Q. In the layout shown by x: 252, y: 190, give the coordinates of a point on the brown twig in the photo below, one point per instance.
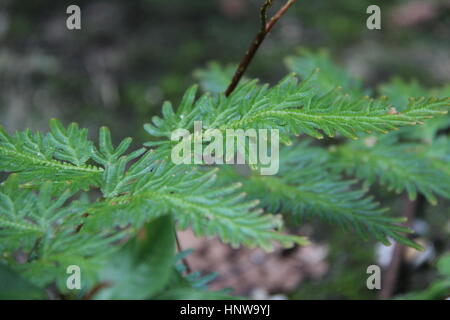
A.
x: 36, y: 245
x: 279, y: 14
x: 96, y: 289
x: 266, y: 27
x: 393, y: 270
x: 78, y: 228
x: 180, y: 249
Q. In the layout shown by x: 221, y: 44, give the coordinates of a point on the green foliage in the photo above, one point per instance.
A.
x: 438, y: 289
x: 60, y: 156
x: 294, y: 108
x: 214, y: 78
x: 400, y: 93
x: 143, y: 265
x: 46, y: 225
x: 71, y: 144
x: 113, y: 212
x: 194, y: 294
x: 399, y: 166
x: 411, y: 159
x: 15, y: 287
x: 27, y: 216
x: 330, y: 74
x: 306, y: 187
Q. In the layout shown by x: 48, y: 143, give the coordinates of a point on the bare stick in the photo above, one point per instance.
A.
x: 180, y: 249
x: 96, y: 289
x: 279, y: 14
x: 392, y: 272
x: 256, y: 43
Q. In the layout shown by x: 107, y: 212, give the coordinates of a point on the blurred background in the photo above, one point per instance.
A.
x: 130, y: 56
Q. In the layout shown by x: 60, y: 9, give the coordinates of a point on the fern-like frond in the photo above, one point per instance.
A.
x: 46, y: 227
x: 71, y: 144
x: 215, y: 78
x: 293, y: 108
x: 143, y: 266
x: 56, y: 156
x: 25, y: 216
x: 195, y: 200
x: 400, y: 92
x: 330, y: 76
x: 398, y: 166
x: 89, y: 251
x: 114, y: 161
x: 306, y: 187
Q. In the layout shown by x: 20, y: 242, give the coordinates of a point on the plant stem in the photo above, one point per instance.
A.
x: 266, y: 27
x: 96, y: 289
x: 180, y: 249
x: 279, y: 14
x: 390, y: 281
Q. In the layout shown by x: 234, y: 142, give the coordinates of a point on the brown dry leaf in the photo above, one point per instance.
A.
x: 414, y: 12
x: 246, y: 270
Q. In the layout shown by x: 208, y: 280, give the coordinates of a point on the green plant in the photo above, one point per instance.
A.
x: 67, y: 201
x: 439, y: 288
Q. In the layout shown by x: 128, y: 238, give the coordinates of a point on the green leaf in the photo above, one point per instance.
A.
x: 115, y: 176
x: 195, y: 200
x: 194, y: 294
x: 47, y: 228
x: 439, y: 288
x: 443, y: 265
x: 294, y: 107
x: 398, y: 166
x: 330, y: 76
x: 143, y: 266
x: 306, y: 187
x: 215, y: 78
x: 13, y: 286
x: 400, y: 92
x: 37, y: 158
x: 71, y: 144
